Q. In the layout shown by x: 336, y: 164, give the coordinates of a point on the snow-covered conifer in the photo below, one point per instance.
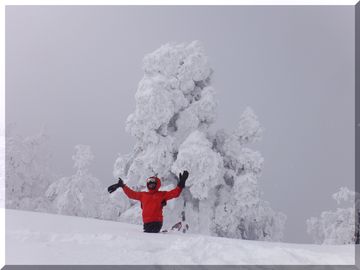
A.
x: 82, y: 194
x: 28, y: 172
x: 338, y: 226
x: 175, y: 108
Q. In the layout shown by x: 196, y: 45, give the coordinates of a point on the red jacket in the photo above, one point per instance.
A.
x: 151, y: 200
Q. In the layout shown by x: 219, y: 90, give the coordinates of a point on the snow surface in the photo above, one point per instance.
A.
x: 38, y: 238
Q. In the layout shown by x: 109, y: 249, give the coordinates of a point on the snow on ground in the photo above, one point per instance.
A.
x: 38, y: 238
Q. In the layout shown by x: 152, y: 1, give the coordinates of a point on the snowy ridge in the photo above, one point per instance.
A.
x: 38, y: 238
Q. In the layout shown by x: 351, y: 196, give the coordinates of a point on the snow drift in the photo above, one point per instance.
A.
x: 38, y: 238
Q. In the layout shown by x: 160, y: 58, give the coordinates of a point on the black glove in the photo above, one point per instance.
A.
x: 182, y: 179
x: 114, y: 187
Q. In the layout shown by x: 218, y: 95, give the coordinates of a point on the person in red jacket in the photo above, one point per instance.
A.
x: 153, y: 200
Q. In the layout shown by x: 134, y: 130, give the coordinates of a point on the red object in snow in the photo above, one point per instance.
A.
x: 151, y: 201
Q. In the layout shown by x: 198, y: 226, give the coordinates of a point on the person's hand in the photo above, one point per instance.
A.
x: 121, y: 182
x: 114, y: 187
x: 184, y: 175
x: 182, y: 178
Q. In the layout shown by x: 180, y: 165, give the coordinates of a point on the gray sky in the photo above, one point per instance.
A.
x: 76, y: 68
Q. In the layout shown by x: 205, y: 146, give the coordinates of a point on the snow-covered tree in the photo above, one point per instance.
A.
x: 249, y: 129
x: 82, y: 194
x: 206, y: 166
x: 175, y: 108
x: 82, y: 159
x: 240, y: 211
x: 28, y: 172
x: 335, y: 227
x: 344, y: 195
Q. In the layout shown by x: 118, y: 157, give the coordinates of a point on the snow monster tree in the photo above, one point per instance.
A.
x: 82, y: 194
x: 175, y: 108
x: 337, y: 227
x: 28, y: 171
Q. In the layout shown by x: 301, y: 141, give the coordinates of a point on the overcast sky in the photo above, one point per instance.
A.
x: 77, y: 69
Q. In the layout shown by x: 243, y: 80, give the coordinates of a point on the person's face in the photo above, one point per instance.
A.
x: 151, y: 184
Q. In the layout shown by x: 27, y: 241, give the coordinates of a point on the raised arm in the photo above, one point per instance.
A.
x: 128, y: 191
x: 135, y: 195
x: 174, y: 193
x: 171, y: 194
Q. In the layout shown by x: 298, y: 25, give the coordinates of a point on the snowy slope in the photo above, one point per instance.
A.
x: 38, y: 238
